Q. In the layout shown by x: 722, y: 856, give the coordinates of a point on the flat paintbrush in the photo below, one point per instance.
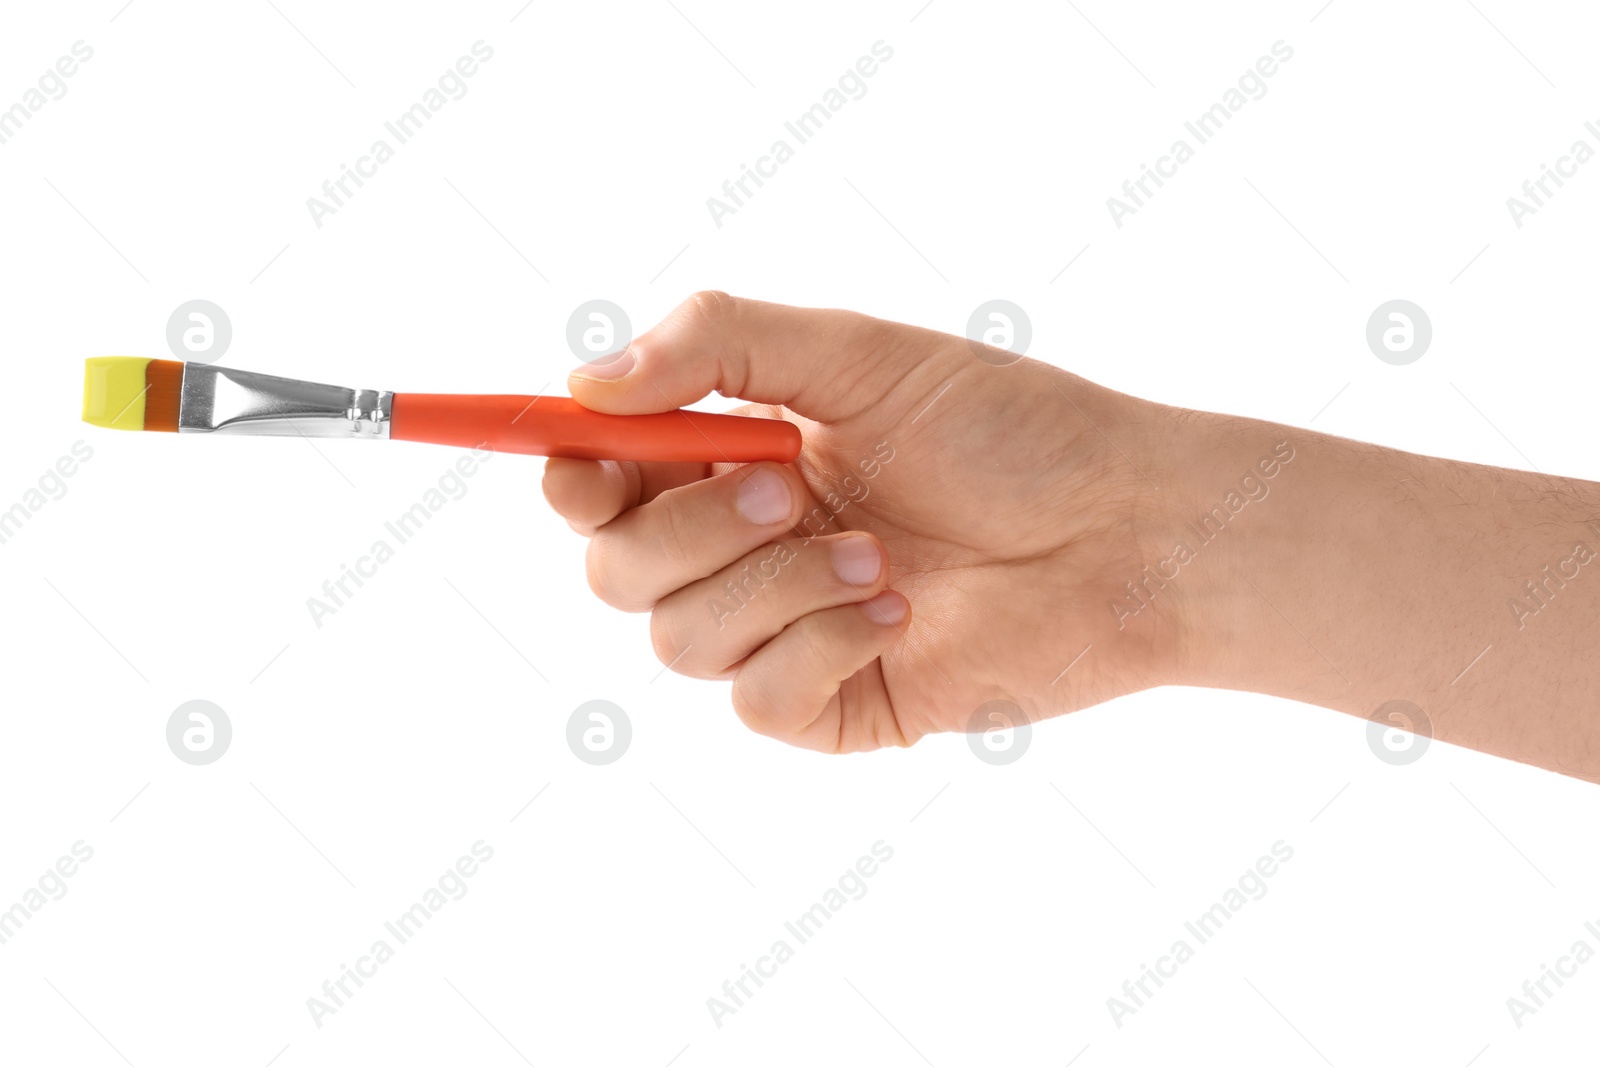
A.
x: 127, y: 393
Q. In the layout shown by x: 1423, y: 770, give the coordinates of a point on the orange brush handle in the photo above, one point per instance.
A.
x: 560, y: 426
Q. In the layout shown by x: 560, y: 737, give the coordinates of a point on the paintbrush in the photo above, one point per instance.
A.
x: 128, y: 393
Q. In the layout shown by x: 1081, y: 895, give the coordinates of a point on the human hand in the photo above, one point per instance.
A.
x: 951, y: 534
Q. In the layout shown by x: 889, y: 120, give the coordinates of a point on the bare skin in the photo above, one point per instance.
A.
x: 958, y: 532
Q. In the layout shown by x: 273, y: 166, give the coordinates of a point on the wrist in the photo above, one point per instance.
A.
x: 1359, y: 574
x: 1243, y: 510
x: 1281, y: 561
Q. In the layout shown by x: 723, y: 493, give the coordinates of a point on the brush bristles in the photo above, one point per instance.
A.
x: 163, y: 380
x: 131, y: 393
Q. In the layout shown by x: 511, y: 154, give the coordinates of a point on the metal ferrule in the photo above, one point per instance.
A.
x: 223, y: 400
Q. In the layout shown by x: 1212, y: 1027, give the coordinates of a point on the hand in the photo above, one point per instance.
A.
x: 953, y: 532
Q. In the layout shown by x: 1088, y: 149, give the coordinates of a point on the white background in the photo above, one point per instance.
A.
x: 370, y: 753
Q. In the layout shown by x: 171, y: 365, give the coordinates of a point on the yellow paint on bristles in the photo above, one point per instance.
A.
x: 114, y: 392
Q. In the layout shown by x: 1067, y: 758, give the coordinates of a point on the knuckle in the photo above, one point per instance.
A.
x: 811, y: 651
x: 712, y: 306
x: 600, y: 568
x: 676, y: 535
x: 682, y: 640
x: 756, y: 706
x: 594, y: 570
x: 708, y: 321
x: 667, y: 638
x: 554, y: 484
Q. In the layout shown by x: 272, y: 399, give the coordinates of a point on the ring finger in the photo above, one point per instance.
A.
x: 711, y: 625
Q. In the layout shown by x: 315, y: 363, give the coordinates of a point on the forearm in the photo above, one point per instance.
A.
x: 1356, y: 575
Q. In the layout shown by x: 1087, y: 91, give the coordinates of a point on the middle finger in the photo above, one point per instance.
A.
x: 692, y: 531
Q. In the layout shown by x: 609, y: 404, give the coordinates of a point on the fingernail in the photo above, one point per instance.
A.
x: 888, y: 608
x: 607, y: 370
x: 856, y: 560
x: 763, y: 497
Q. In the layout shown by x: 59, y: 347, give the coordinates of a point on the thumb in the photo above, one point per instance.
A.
x: 826, y: 365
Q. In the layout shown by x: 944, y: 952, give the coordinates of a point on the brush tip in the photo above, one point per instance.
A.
x: 131, y: 393
x: 114, y: 392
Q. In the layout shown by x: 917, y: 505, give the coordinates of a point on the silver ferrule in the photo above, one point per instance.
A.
x: 223, y: 400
